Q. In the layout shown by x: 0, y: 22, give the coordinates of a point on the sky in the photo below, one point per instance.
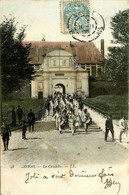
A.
x: 42, y: 17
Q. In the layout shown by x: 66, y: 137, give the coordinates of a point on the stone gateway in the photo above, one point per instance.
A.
x: 61, y: 66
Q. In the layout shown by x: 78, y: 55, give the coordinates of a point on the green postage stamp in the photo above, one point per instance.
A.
x: 74, y: 17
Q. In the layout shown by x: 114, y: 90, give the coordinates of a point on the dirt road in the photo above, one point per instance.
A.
x: 46, y: 145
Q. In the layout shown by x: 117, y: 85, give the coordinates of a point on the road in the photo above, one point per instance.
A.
x: 46, y: 145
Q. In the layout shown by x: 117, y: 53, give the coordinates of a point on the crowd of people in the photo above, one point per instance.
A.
x: 68, y: 111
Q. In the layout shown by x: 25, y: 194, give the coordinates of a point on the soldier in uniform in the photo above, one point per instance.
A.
x: 109, y: 127
x: 13, y: 116
x: 58, y: 121
x: 88, y: 120
x: 31, y: 120
x: 24, y: 129
x: 61, y: 122
x: 56, y: 117
x: 6, y: 133
x: 71, y: 119
x: 77, y: 121
x: 19, y: 114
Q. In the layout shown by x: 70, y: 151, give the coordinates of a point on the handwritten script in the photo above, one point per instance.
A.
x: 107, y: 179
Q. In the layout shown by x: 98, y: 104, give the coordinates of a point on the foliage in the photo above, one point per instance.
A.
x: 117, y: 60
x: 25, y: 103
x: 14, y: 57
x: 120, y: 29
x: 116, y: 105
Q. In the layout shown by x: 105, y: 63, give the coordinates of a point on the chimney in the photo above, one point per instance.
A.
x: 71, y: 45
x: 102, y: 47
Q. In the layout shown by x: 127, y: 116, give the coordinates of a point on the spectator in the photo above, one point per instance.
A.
x: 13, y: 116
x: 123, y: 128
x: 24, y: 128
x: 31, y: 120
x: 109, y: 127
x: 6, y: 133
x: 19, y: 114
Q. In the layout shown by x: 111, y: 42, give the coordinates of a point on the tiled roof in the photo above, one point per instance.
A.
x: 85, y: 52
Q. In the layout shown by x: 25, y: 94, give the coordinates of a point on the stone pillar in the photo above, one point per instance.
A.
x: 79, y: 82
x: 96, y: 70
x: 46, y: 90
x: 34, y: 90
x: 90, y: 70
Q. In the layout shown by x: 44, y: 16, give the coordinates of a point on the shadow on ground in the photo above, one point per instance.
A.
x: 18, y: 149
x: 34, y: 138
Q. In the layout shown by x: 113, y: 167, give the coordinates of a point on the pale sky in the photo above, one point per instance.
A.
x: 43, y: 17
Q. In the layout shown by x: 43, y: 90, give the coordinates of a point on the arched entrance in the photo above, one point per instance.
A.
x: 59, y: 88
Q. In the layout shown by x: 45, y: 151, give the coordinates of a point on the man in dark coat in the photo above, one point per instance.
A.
x: 13, y: 116
x: 109, y: 127
x: 19, y: 114
x: 31, y: 120
x: 24, y: 128
x: 6, y: 133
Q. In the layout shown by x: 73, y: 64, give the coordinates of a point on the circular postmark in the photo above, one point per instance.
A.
x: 96, y: 27
x: 79, y: 22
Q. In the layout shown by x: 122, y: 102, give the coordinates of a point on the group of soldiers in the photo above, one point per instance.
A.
x: 16, y: 114
x: 68, y: 111
x: 22, y: 118
x: 24, y: 121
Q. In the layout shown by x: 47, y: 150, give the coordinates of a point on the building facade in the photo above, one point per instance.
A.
x: 64, y: 67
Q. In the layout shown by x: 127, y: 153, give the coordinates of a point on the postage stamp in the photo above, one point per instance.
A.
x: 75, y: 17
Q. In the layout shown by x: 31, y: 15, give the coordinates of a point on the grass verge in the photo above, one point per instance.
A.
x: 109, y: 104
x: 25, y: 103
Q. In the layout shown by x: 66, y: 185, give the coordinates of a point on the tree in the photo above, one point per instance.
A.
x: 14, y: 57
x: 117, y: 60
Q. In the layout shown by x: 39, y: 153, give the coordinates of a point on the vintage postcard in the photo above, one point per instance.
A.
x: 64, y: 97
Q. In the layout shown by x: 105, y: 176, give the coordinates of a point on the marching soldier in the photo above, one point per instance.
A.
x: 88, y: 120
x: 77, y: 121
x: 71, y: 121
x: 58, y: 122
x: 56, y: 117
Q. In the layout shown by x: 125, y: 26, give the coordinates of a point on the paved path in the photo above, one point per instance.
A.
x: 100, y: 119
x: 46, y: 145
